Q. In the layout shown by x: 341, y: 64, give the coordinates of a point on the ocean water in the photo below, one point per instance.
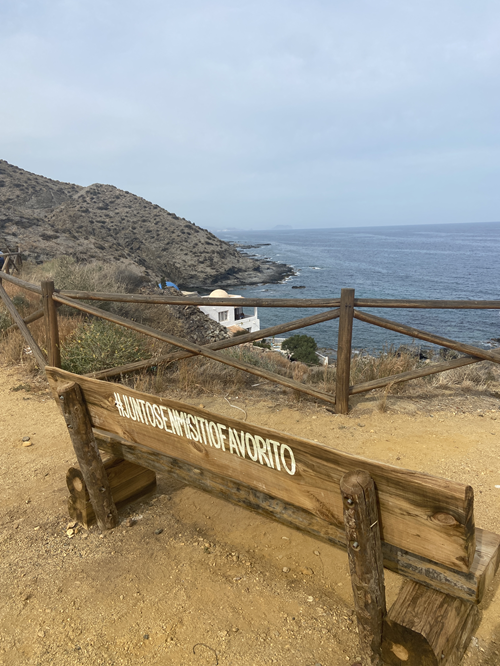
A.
x: 452, y: 261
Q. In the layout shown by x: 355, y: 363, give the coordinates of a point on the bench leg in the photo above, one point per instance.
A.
x: 128, y: 482
x: 365, y: 561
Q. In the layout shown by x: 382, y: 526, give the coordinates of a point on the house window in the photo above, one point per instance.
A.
x: 223, y: 315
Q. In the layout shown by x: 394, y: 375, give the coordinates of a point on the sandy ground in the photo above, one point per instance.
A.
x: 196, y: 581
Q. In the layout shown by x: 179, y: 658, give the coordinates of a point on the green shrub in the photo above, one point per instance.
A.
x: 5, y: 321
x: 303, y: 348
x: 264, y: 344
x: 98, y: 345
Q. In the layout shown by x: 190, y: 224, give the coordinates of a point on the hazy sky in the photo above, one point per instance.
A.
x: 251, y: 114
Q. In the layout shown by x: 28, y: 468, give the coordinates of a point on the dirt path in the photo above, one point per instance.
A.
x: 196, y: 581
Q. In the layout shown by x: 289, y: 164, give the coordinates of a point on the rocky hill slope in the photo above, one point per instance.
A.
x: 47, y: 218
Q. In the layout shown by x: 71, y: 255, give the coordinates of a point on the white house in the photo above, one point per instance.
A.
x: 231, y: 316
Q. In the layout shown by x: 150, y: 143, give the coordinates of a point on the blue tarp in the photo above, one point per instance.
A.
x: 165, y: 284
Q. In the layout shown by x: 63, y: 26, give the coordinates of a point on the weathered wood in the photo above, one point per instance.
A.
x: 221, y: 344
x: 427, y: 628
x: 422, y: 514
x: 22, y: 283
x: 203, y: 300
x: 51, y: 324
x: 428, y: 337
x: 364, y: 552
x: 413, y: 374
x: 427, y: 305
x: 6, y: 265
x: 34, y: 316
x: 128, y: 482
x: 466, y: 585
x: 18, y: 320
x: 18, y: 261
x: 197, y: 349
x: 283, y: 302
x: 344, y: 351
x: 80, y: 430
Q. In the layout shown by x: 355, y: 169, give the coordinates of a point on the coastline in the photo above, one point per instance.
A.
x: 266, y: 272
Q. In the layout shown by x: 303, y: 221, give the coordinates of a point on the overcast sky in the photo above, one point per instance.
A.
x: 250, y: 114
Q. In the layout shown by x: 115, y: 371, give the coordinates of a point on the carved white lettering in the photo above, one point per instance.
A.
x: 291, y: 469
x: 151, y: 415
x: 222, y: 436
x: 266, y: 452
x: 255, y: 454
x: 118, y: 404
x: 213, y: 432
x: 159, y: 417
x: 262, y: 450
x: 191, y: 420
x: 234, y: 443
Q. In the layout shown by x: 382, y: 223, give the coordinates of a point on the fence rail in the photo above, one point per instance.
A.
x: 346, y: 309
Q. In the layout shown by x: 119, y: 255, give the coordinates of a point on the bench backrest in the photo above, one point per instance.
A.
x: 422, y: 514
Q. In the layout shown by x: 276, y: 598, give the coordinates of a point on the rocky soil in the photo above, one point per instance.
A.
x: 187, y: 579
x: 48, y: 218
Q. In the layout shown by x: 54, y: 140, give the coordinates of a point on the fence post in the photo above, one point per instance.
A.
x: 6, y: 266
x: 365, y: 561
x: 18, y: 263
x: 51, y: 325
x: 344, y: 350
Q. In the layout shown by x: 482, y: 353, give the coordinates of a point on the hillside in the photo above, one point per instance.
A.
x: 48, y: 218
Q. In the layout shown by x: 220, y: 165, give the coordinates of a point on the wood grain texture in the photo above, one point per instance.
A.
x: 128, y: 482
x: 428, y: 337
x: 75, y: 414
x: 22, y: 283
x: 284, y: 302
x: 427, y: 628
x: 425, y: 515
x: 364, y: 552
x: 204, y: 300
x: 344, y: 351
x: 426, y: 304
x: 466, y: 585
x: 221, y: 344
x: 18, y: 320
x: 51, y: 324
x: 197, y: 349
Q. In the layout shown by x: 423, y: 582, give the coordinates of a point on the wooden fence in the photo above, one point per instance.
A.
x: 346, y: 309
x: 13, y: 261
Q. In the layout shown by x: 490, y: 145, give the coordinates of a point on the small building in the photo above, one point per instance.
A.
x: 231, y: 316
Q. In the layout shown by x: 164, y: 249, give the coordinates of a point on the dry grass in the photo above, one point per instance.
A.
x: 195, y: 376
x: 14, y: 348
x: 67, y: 273
x: 200, y: 376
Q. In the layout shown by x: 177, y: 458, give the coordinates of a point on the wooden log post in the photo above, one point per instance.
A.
x: 88, y: 456
x: 364, y: 550
x: 6, y: 265
x: 51, y: 324
x: 18, y: 262
x: 344, y: 350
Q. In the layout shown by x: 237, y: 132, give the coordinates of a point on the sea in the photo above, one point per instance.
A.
x: 431, y: 261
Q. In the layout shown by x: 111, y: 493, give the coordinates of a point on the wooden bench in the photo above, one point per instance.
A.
x: 417, y: 525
